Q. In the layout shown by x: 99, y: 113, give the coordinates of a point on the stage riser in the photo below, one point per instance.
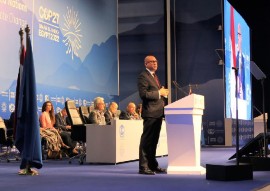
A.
x: 229, y: 172
x: 260, y: 163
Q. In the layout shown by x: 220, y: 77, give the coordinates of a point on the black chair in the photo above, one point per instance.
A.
x: 84, y: 113
x: 78, y: 130
x: 8, y: 151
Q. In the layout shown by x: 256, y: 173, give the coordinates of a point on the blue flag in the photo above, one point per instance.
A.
x: 27, y: 138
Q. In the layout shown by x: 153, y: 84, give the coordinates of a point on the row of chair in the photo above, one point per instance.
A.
x: 78, y: 133
x: 84, y: 113
x: 78, y: 128
x: 8, y: 151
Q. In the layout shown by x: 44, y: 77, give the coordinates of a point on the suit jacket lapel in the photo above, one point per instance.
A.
x: 63, y: 121
x: 152, y: 79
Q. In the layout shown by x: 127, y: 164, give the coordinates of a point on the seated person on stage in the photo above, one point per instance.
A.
x: 139, y: 110
x: 111, y: 113
x: 97, y: 115
x: 65, y: 130
x: 10, y: 125
x: 130, y: 113
x: 48, y: 132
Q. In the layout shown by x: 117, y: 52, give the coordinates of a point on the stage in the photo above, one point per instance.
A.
x: 59, y: 175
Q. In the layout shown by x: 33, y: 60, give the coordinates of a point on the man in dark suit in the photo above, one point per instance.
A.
x: 65, y: 131
x: 240, y: 64
x: 111, y: 113
x: 130, y: 113
x: 152, y: 95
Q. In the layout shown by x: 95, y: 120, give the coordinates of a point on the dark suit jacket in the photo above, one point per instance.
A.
x: 60, y: 123
x: 108, y: 117
x: 241, y: 73
x: 124, y: 115
x: 97, y: 117
x: 152, y: 106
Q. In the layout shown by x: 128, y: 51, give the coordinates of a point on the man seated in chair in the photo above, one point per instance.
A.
x: 130, y: 113
x: 10, y: 125
x: 65, y: 130
x: 111, y: 113
x: 97, y: 115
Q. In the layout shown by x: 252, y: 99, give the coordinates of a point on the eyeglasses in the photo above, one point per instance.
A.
x: 152, y: 61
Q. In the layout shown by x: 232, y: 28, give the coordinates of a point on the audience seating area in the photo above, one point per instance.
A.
x: 78, y: 129
x: 78, y: 118
x: 84, y: 113
x: 8, y: 151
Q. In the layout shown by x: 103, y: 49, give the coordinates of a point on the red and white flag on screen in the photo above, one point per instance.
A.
x: 233, y: 56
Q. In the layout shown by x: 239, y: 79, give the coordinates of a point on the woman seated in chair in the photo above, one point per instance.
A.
x: 47, y: 131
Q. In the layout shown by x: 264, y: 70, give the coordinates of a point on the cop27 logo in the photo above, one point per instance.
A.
x: 122, y: 130
x: 71, y: 32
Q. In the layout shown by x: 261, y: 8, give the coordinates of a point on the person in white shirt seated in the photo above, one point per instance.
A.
x: 97, y: 115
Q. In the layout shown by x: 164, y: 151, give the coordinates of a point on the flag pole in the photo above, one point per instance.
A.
x: 27, y: 135
x: 21, y: 33
x: 27, y: 30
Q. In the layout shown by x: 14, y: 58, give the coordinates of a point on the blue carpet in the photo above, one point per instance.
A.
x: 59, y: 175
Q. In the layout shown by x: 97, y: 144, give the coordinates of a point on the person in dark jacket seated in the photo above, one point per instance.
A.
x: 65, y: 130
x: 111, y: 113
x: 130, y: 113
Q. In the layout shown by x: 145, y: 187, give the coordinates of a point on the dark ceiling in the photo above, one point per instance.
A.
x: 255, y: 12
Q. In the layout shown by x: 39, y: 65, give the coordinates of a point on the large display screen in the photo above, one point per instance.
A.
x: 74, y: 48
x: 237, y: 64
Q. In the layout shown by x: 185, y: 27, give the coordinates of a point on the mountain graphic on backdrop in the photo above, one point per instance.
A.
x: 97, y: 73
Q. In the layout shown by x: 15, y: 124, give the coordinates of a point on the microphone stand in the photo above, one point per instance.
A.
x: 192, y: 86
x: 179, y: 88
x: 259, y: 75
x: 264, y: 122
x: 236, y: 172
x: 236, y: 108
x: 257, y: 110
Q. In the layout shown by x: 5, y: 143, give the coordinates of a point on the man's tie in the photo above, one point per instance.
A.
x: 156, y: 79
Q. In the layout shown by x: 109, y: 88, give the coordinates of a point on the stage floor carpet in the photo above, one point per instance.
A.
x: 60, y: 175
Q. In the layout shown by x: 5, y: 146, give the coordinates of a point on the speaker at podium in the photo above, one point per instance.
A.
x: 183, y: 124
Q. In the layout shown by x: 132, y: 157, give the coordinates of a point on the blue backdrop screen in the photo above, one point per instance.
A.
x: 74, y: 47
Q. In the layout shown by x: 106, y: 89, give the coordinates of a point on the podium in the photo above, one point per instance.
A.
x: 183, y: 125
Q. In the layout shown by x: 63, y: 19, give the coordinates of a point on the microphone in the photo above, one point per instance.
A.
x: 235, y: 71
x: 179, y: 88
x: 192, y: 86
